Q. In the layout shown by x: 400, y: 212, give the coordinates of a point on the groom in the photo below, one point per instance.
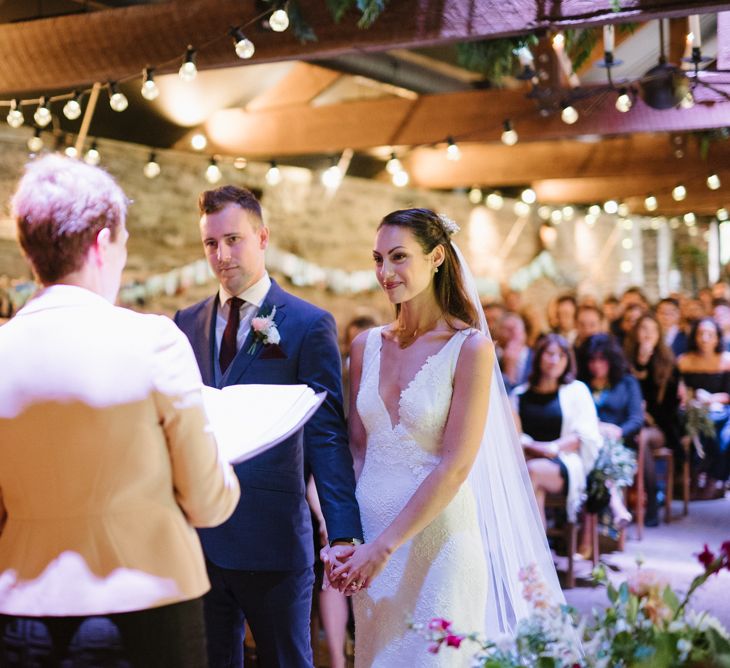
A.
x: 260, y: 560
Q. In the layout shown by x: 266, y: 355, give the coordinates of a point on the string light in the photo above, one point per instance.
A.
x: 152, y: 168
x: 521, y: 208
x: 117, y: 101
x: 332, y: 176
x: 452, y: 150
x: 240, y: 162
x: 688, y: 101
x: 273, y: 175
x: 72, y: 108
x: 92, y: 157
x: 627, y: 224
x: 401, y: 178
x: 509, y: 134
x: 623, y: 209
x: 626, y: 266
x: 623, y: 101
x: 713, y: 182
x: 679, y: 192
x: 279, y: 20
x: 627, y: 243
x: 528, y: 196
x: 15, y: 115
x: 558, y: 40
x: 213, y: 173
x: 690, y: 219
x: 544, y: 212
x: 568, y: 212
x: 198, y: 141
x: 556, y: 216
x: 722, y: 214
x: 42, y: 115
x: 610, y: 206
x: 393, y: 166
x: 495, y: 201
x: 569, y: 114
x: 244, y: 47
x: 188, y: 71
x: 594, y: 210
x: 35, y: 143
x: 475, y: 195
x: 651, y: 203
x: 71, y: 151
x: 149, y: 90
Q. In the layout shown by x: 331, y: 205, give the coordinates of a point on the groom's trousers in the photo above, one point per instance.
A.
x: 277, y: 606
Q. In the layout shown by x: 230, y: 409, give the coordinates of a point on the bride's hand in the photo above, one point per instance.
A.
x: 362, y: 568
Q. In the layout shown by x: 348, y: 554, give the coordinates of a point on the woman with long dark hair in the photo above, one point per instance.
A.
x: 559, y: 424
x: 435, y: 450
x: 705, y: 369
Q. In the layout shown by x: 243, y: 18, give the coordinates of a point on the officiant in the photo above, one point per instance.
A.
x: 106, y: 463
x: 252, y: 331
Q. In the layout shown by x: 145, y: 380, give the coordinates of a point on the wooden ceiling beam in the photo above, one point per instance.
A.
x: 496, y: 165
x: 73, y: 51
x: 299, y: 87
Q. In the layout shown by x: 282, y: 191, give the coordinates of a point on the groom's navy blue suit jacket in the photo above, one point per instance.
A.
x: 271, y: 528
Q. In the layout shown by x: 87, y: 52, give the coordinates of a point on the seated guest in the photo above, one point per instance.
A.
x: 565, y: 310
x: 705, y: 298
x: 589, y: 321
x: 653, y: 365
x: 667, y: 313
x: 611, y: 309
x: 705, y: 369
x: 493, y: 312
x: 558, y: 423
x: 626, y: 322
x: 617, y: 396
x: 513, y: 353
x: 721, y: 314
x: 106, y: 462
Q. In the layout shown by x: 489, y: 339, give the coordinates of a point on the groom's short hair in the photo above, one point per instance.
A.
x: 212, y: 201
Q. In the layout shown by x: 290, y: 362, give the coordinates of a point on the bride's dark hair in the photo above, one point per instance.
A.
x: 430, y: 230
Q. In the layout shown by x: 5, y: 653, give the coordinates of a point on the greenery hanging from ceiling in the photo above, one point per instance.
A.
x: 369, y: 10
x: 494, y: 58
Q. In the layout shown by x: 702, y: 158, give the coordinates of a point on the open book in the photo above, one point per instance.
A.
x: 249, y: 419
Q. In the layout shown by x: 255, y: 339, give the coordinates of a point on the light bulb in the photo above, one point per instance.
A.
x: 213, y: 173
x: 452, y: 150
x: 627, y: 224
x: 475, y: 195
x: 627, y: 243
x: 15, y: 115
x: 279, y: 20
x: 722, y: 214
x: 689, y: 219
x: 188, y: 71
x: 544, y: 212
x: 623, y: 101
x: 569, y: 114
x: 558, y: 40
x: 623, y: 209
x: 198, y: 141
x: 244, y: 46
x: 240, y: 162
x: 35, y: 143
x: 590, y: 219
x: 495, y: 201
x: 688, y: 101
x: 152, y: 168
x: 72, y: 108
x: 651, y: 203
x: 42, y: 115
x: 273, y: 175
x: 610, y: 206
x: 528, y: 196
x: 117, y: 101
x: 92, y: 156
x: 626, y: 266
x: 400, y: 179
x: 331, y: 177
x: 713, y: 182
x: 509, y: 134
x: 149, y: 90
x: 521, y: 209
x: 568, y: 212
x: 393, y: 166
x: 679, y: 193
x: 71, y: 151
x: 556, y: 216
x: 594, y: 210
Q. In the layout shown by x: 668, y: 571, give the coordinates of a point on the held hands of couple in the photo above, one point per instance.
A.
x: 352, y: 568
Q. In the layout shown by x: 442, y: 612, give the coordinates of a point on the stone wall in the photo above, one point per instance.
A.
x: 333, y: 231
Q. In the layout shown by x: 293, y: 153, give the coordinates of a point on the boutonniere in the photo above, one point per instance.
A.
x: 264, y: 329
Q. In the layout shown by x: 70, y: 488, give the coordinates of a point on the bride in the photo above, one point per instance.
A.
x: 446, y: 503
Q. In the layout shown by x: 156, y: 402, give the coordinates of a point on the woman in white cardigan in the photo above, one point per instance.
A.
x: 559, y: 425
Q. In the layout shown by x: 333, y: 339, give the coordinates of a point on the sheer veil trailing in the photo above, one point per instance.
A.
x: 512, y: 530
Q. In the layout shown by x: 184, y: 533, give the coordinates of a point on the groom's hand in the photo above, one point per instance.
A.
x: 333, y: 556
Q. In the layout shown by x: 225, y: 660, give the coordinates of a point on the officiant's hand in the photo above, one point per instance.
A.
x: 361, y: 568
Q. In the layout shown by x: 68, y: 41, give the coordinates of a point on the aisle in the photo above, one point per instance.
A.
x: 669, y: 549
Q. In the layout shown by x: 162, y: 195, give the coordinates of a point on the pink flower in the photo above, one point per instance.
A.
x: 453, y: 640
x: 645, y: 582
x: 434, y: 649
x: 706, y: 557
x: 439, y: 624
x: 260, y: 324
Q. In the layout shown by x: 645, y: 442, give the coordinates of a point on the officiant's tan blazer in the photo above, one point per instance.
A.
x: 105, y: 466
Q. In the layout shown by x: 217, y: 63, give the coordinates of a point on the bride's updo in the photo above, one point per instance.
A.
x: 431, y: 229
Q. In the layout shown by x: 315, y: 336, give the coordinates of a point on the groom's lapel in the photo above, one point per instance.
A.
x: 243, y: 358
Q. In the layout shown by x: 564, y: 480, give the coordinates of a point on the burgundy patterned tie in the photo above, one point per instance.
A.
x: 230, y: 334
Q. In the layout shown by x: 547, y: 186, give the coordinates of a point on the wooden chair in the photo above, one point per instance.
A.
x: 568, y: 532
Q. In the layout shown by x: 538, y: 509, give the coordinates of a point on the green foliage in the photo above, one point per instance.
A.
x: 494, y: 58
x: 370, y: 10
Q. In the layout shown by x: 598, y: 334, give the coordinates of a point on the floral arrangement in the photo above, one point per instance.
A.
x: 697, y: 422
x: 646, y: 625
x: 615, y: 465
x: 265, y: 330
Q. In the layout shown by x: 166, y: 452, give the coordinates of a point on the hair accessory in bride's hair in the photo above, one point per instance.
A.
x: 450, y: 227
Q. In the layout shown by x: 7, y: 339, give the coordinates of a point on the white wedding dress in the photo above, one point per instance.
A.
x: 442, y: 572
